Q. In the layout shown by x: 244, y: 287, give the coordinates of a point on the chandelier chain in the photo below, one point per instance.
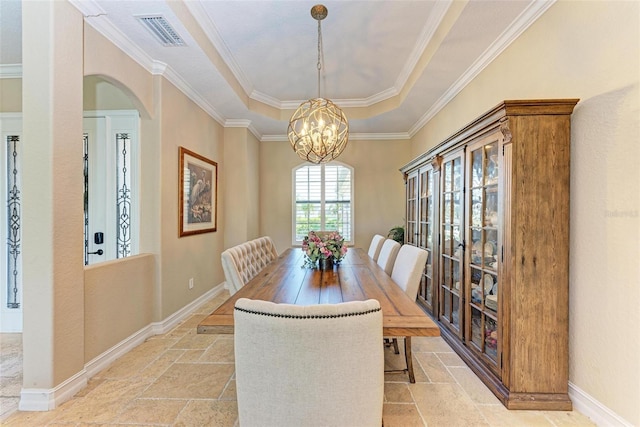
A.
x: 319, y: 65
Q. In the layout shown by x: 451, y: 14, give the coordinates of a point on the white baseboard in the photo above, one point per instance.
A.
x: 105, y: 359
x: 37, y: 399
x: 596, y: 411
x: 10, y: 319
x: 172, y: 321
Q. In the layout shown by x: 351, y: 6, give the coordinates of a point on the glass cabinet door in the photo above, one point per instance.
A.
x: 452, y: 245
x: 425, y: 227
x: 482, y: 231
x: 411, y: 233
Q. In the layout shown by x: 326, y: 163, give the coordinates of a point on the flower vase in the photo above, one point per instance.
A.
x: 325, y: 264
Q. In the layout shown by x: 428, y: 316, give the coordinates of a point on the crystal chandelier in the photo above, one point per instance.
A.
x: 318, y: 130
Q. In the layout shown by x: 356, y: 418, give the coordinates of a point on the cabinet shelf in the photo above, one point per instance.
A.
x: 487, y: 311
x: 484, y: 268
x: 501, y: 185
x: 489, y: 188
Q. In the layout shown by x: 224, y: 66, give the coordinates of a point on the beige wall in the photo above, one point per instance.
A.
x: 52, y: 245
x: 99, y: 94
x: 122, y: 296
x: 170, y: 121
x: 102, y: 58
x: 119, y: 296
x: 196, y: 256
x: 241, y: 186
x: 114, y: 288
x: 253, y: 186
x: 10, y: 95
x: 378, y: 192
x: 586, y: 50
x: 127, y: 284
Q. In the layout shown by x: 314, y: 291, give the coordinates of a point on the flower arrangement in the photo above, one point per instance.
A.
x: 322, y: 247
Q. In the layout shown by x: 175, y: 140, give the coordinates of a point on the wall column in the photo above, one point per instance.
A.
x: 52, y: 209
x: 241, y: 186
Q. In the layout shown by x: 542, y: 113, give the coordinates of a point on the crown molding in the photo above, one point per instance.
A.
x: 519, y: 25
x: 95, y: 16
x: 379, y: 136
x: 158, y: 68
x: 242, y: 123
x: 185, y: 88
x: 440, y: 9
x: 88, y: 8
x: 237, y: 123
x: 352, y: 137
x: 10, y: 71
x: 343, y: 103
x: 273, y: 102
x: 367, y: 102
x: 202, y: 17
x: 101, y: 23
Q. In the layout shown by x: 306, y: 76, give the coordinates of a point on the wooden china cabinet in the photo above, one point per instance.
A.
x: 421, y: 202
x: 491, y: 206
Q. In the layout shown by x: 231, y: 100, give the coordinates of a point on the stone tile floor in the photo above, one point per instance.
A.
x: 10, y: 373
x: 185, y: 379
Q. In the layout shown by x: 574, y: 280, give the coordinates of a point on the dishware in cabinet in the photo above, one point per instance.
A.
x: 482, y: 231
x: 451, y: 237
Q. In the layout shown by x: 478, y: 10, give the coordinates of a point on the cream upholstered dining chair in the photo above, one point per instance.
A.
x: 375, y: 246
x: 315, y: 365
x: 388, y: 255
x: 406, y: 273
x: 243, y: 262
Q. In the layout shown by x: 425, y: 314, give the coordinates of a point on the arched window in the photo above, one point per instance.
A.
x: 323, y: 200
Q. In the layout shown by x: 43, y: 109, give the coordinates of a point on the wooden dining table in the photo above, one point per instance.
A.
x: 356, y: 278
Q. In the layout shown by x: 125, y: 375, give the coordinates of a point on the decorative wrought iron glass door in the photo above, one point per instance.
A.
x: 11, y: 219
x: 110, y: 153
x: 14, y: 222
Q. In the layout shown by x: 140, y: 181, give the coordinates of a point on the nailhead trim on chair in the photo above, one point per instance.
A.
x: 293, y: 316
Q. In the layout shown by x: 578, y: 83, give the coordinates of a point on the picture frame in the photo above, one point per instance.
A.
x: 198, y: 193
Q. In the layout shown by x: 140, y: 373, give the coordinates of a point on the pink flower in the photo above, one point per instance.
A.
x: 330, y: 245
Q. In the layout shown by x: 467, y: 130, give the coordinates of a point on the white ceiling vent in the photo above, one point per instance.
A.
x: 162, y: 30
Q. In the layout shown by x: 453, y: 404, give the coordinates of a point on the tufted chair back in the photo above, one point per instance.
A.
x: 243, y: 262
x: 313, y: 366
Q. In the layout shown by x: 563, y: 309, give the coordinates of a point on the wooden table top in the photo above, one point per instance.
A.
x: 357, y: 278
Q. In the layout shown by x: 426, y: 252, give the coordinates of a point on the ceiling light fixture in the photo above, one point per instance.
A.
x: 318, y: 130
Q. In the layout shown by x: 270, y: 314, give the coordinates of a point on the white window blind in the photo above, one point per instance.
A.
x: 323, y: 195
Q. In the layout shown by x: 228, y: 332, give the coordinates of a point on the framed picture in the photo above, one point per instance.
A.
x: 198, y: 199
